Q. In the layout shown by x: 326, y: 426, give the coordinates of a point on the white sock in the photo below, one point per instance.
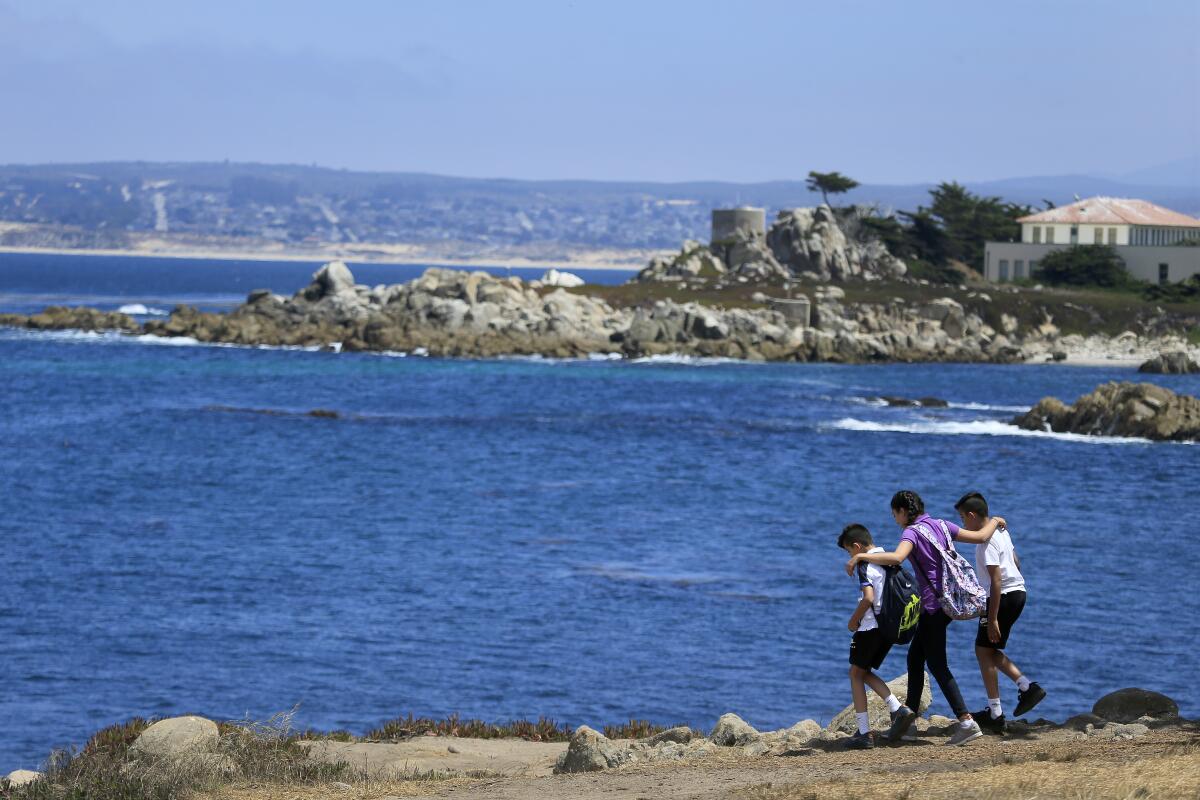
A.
x: 994, y: 705
x: 892, y: 703
x: 966, y: 723
x: 864, y: 721
x: 1023, y: 683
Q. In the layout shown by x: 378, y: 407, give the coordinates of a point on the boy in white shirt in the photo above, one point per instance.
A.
x: 999, y: 571
x: 868, y: 648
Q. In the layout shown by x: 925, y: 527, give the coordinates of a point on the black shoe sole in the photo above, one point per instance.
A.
x: 1024, y: 707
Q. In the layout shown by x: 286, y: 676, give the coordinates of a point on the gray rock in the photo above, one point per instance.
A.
x: 1127, y: 705
x: 756, y: 749
x: 177, y: 736
x: 733, y: 731
x: 845, y: 722
x: 590, y: 751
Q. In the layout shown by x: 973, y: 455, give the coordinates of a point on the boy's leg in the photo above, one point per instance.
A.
x: 880, y: 688
x: 857, y: 691
x: 987, y: 668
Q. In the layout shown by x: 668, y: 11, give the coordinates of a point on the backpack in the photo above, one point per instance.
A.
x: 900, y: 606
x: 960, y: 595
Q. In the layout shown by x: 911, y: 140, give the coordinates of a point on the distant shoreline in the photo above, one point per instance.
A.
x: 321, y: 258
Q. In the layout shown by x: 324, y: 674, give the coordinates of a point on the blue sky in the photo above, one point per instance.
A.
x: 750, y: 91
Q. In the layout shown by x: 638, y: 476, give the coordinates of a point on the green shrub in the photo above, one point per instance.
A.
x: 1085, y: 265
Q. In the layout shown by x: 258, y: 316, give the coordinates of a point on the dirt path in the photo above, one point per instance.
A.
x: 1056, y: 763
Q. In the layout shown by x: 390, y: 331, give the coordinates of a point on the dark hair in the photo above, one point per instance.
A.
x: 858, y: 534
x: 910, y: 503
x: 972, y: 502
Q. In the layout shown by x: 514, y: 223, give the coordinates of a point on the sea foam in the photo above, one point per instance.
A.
x: 979, y: 427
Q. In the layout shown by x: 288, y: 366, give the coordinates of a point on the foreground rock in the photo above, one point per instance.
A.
x: 177, y: 736
x: 1131, y: 705
x: 1120, y: 409
x: 590, y: 751
x: 20, y: 777
x: 845, y: 722
x: 733, y: 731
x: 1176, y: 363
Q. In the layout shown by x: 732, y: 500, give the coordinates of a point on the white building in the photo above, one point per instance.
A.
x: 1150, y: 239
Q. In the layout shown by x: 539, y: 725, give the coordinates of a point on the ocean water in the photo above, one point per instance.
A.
x: 587, y: 540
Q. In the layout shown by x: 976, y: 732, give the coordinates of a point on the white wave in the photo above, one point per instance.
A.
x: 979, y: 427
x: 141, y: 310
x: 691, y: 361
x: 986, y: 407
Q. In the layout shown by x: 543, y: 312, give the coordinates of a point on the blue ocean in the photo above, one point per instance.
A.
x: 586, y: 540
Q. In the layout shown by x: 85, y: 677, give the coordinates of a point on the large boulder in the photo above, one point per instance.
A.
x: 177, y: 736
x: 1176, y: 363
x: 590, y: 751
x: 811, y: 240
x: 1120, y: 409
x: 845, y: 722
x: 1130, y: 705
x: 733, y: 731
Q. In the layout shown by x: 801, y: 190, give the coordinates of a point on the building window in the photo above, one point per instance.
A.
x: 1049, y: 234
x: 1037, y: 234
x: 1003, y: 269
x: 1163, y: 273
x: 1097, y: 235
x: 1032, y: 268
x: 1018, y: 269
x: 1112, y: 236
x: 1074, y: 234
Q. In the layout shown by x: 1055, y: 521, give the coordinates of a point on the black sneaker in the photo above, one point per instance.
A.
x: 989, y: 723
x: 1029, y: 698
x: 861, y: 741
x: 902, y: 719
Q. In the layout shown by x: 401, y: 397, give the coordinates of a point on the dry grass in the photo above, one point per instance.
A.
x: 248, y: 754
x: 1070, y: 772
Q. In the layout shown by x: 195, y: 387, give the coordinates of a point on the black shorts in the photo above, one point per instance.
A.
x: 868, y: 649
x: 1011, y: 606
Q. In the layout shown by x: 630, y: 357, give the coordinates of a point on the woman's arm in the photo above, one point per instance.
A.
x: 893, y: 559
x: 984, y: 534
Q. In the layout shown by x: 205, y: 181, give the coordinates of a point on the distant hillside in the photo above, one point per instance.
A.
x: 294, y: 204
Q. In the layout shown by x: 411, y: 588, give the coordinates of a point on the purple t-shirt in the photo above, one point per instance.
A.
x: 927, y: 564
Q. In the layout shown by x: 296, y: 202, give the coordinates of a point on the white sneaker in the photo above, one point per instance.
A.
x: 965, y: 733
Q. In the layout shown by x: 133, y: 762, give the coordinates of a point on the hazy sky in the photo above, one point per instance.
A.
x: 649, y: 89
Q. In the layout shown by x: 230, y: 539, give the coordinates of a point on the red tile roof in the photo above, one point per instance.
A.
x: 1114, y: 211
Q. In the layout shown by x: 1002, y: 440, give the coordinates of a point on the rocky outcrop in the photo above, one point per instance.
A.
x: 1176, y: 363
x: 1140, y: 410
x: 61, y: 318
x: 845, y: 722
x: 177, y: 736
x: 1131, y: 705
x: 801, y: 242
x: 811, y: 241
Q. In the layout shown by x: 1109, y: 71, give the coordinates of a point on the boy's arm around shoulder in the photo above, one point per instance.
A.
x: 984, y: 534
